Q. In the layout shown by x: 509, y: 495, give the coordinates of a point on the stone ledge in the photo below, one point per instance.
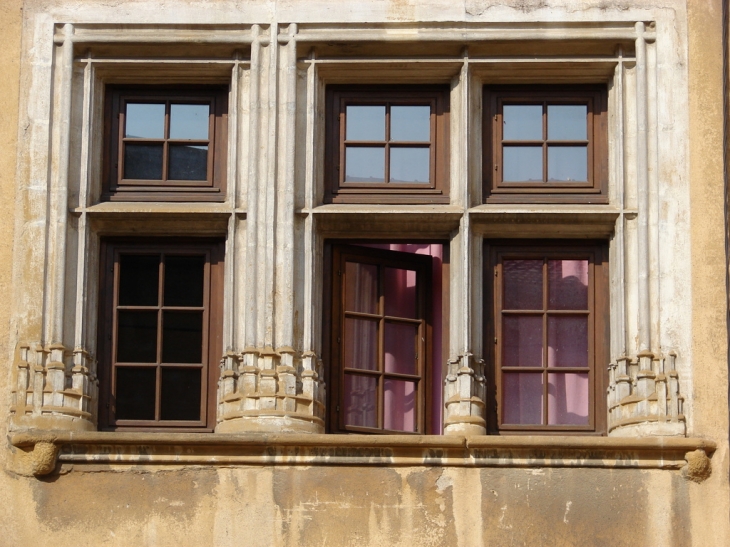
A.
x: 180, y: 449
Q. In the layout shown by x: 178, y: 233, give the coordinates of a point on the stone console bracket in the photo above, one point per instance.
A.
x: 38, y: 453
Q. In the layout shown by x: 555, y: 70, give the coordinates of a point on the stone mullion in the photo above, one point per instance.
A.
x: 643, y: 396
x: 464, y: 389
x: 276, y: 389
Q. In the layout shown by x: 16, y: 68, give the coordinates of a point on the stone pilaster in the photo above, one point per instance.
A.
x: 644, y: 398
x: 271, y: 391
x: 465, y: 396
x: 54, y: 388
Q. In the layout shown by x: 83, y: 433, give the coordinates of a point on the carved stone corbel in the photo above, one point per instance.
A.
x: 35, y: 460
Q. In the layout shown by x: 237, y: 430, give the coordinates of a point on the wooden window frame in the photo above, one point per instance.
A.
x: 111, y: 249
x: 334, y: 326
x: 338, y: 97
x: 594, y: 191
x: 116, y: 188
x: 599, y: 335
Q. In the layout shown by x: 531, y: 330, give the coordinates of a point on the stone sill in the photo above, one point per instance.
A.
x: 124, y: 448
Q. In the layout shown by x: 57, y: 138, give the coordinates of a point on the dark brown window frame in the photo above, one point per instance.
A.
x: 336, y: 255
x: 115, y: 188
x: 599, y: 339
x: 111, y: 248
x: 338, y: 97
x: 595, y: 190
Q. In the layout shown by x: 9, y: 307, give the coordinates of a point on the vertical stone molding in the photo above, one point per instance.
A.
x: 271, y: 391
x: 644, y: 398
x: 464, y: 396
x: 54, y: 389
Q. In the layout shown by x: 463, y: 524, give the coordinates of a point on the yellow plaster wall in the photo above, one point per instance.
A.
x: 10, y: 23
x: 711, y: 509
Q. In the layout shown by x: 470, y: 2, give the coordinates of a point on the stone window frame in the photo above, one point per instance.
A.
x: 488, y: 60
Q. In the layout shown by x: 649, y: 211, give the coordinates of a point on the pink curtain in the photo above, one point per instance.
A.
x: 567, y: 340
x: 568, y: 399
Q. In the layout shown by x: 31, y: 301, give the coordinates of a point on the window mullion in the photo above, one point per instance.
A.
x: 545, y: 341
x: 166, y: 143
x: 381, y: 347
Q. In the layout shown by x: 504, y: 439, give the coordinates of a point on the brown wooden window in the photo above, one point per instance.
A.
x: 387, y: 144
x: 165, y: 143
x: 549, y: 322
x: 545, y: 145
x: 381, y: 341
x: 159, y: 334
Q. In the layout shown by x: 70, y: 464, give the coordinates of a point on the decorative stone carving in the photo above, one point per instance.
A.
x: 274, y: 391
x: 51, y: 391
x: 643, y: 396
x: 699, y: 466
x: 35, y: 460
x: 464, y: 396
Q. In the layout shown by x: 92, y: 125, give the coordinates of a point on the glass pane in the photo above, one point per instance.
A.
x: 145, y: 121
x: 361, y: 287
x: 135, y: 393
x: 567, y: 122
x: 568, y: 399
x: 400, y: 342
x: 522, y: 284
x: 136, y: 336
x: 400, y: 404
x: 567, y: 163
x: 410, y: 165
x: 522, y: 122
x: 361, y: 400
x: 180, y: 394
x: 521, y: 341
x: 361, y: 343
x: 365, y: 123
x: 189, y: 121
x: 399, y: 288
x: 143, y: 161
x: 522, y: 398
x: 138, y: 280
x: 522, y: 164
x: 364, y: 164
x: 568, y: 284
x: 182, y: 337
x: 188, y: 162
x: 567, y: 341
x: 410, y: 123
x: 184, y: 280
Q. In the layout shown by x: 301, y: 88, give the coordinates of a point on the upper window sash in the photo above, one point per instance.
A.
x: 545, y: 144
x: 165, y: 143
x: 387, y: 144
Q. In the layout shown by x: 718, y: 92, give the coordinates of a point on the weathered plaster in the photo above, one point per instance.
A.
x: 10, y: 58
x: 709, y: 315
